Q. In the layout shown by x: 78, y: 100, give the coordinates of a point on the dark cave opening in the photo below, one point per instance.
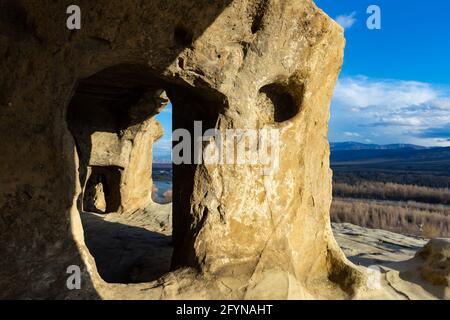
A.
x: 104, y: 107
x: 106, y: 113
x: 286, y: 100
x: 102, y: 192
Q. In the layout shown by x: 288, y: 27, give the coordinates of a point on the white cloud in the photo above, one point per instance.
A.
x: 362, y: 92
x: 346, y: 21
x: 389, y: 111
x: 352, y: 134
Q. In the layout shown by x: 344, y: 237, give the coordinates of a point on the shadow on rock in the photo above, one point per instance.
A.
x: 125, y: 253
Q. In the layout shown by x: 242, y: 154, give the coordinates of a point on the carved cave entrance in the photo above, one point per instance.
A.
x: 102, y: 191
x: 108, y: 116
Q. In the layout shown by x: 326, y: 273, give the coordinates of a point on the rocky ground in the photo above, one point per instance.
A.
x: 403, y: 275
x: 130, y: 249
x: 138, y: 249
x: 368, y: 247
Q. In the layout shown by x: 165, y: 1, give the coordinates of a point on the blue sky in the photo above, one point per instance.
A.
x: 162, y: 149
x: 395, y: 82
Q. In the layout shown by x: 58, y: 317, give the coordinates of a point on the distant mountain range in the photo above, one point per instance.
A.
x: 353, y: 156
x: 351, y: 145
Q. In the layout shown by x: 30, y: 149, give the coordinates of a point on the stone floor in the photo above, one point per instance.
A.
x: 368, y: 247
x: 130, y: 249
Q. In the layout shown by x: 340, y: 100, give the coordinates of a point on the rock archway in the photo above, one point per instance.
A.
x: 111, y: 117
x: 239, y: 231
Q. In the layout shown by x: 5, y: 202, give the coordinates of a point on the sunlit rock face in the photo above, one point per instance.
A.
x: 435, y: 266
x: 78, y: 123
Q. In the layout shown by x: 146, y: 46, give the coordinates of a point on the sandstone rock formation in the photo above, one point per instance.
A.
x: 436, y: 266
x: 402, y: 267
x: 76, y: 115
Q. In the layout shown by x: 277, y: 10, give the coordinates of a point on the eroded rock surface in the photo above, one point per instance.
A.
x: 238, y: 231
x: 398, y: 266
x: 368, y: 247
x: 436, y: 266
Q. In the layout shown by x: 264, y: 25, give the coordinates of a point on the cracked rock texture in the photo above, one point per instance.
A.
x: 238, y: 231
